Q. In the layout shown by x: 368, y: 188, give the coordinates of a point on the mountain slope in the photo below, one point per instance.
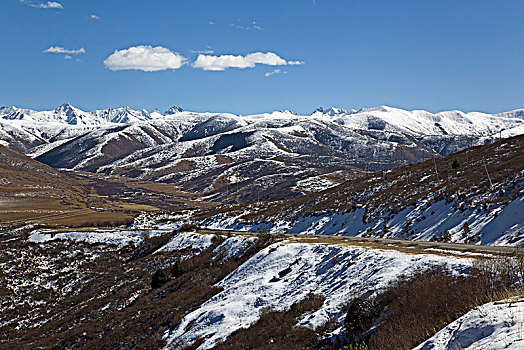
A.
x: 225, y: 157
x: 474, y: 196
x: 32, y: 191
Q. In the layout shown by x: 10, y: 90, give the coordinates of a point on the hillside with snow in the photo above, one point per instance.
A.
x: 480, y: 201
x: 227, y: 157
x: 493, y: 326
x: 340, y: 274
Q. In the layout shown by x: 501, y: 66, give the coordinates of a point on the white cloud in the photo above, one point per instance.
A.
x: 67, y: 57
x: 268, y: 58
x: 247, y: 26
x: 206, y: 51
x: 60, y: 49
x: 43, y: 5
x: 276, y: 71
x: 256, y: 26
x: 145, y: 58
x: 220, y: 63
x: 93, y: 16
x: 295, y: 63
x: 211, y: 23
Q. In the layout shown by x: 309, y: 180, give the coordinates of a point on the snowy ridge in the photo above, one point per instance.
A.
x: 67, y: 114
x: 377, y: 118
x: 501, y: 226
x: 338, y: 273
x: 270, y: 155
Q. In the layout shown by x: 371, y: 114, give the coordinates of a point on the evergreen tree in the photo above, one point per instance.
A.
x: 160, y: 277
x: 177, y: 269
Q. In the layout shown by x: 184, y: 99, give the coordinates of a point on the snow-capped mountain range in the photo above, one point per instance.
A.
x: 376, y: 118
x: 206, y: 152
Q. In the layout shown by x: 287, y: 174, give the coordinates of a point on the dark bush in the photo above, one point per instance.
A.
x: 416, y: 308
x: 177, y: 270
x: 359, y: 317
x: 189, y: 227
x: 277, y: 329
x: 160, y: 278
x: 455, y: 164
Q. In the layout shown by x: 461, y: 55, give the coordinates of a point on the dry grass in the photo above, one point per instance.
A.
x: 32, y: 191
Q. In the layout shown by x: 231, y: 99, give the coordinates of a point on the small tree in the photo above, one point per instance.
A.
x: 359, y: 318
x: 466, y: 228
x: 455, y: 164
x: 177, y: 269
x: 160, y: 277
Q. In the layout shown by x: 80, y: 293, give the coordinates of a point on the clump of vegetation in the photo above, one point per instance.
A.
x: 177, y: 270
x: 189, y: 227
x: 150, y: 245
x: 159, y: 278
x: 277, y: 329
x: 415, y: 308
x: 359, y: 317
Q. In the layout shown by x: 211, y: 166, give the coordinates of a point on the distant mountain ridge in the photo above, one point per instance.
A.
x: 270, y: 155
x: 365, y: 118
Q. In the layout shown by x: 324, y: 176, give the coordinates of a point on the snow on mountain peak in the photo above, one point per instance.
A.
x: 384, y: 118
x: 287, y: 111
x: 173, y: 110
x: 332, y: 111
x: 382, y: 108
x: 335, y: 111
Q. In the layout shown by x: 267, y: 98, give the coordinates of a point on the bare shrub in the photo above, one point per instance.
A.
x: 277, y: 330
x: 414, y: 309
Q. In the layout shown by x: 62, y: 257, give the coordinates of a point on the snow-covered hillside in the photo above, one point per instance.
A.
x: 338, y: 273
x: 494, y: 326
x: 267, y: 156
x: 113, y: 269
x: 481, y: 201
x: 501, y: 226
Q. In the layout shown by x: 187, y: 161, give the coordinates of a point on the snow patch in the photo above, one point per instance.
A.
x: 492, y: 326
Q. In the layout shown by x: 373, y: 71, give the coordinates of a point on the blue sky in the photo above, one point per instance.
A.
x: 433, y: 55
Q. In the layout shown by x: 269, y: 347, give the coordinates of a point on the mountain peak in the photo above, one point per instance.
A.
x: 287, y: 111
x: 332, y: 111
x: 173, y: 110
x: 64, y: 107
x: 382, y: 108
x: 335, y: 111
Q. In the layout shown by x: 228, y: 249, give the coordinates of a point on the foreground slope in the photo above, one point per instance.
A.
x: 282, y: 274
x: 92, y: 289
x: 493, y: 326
